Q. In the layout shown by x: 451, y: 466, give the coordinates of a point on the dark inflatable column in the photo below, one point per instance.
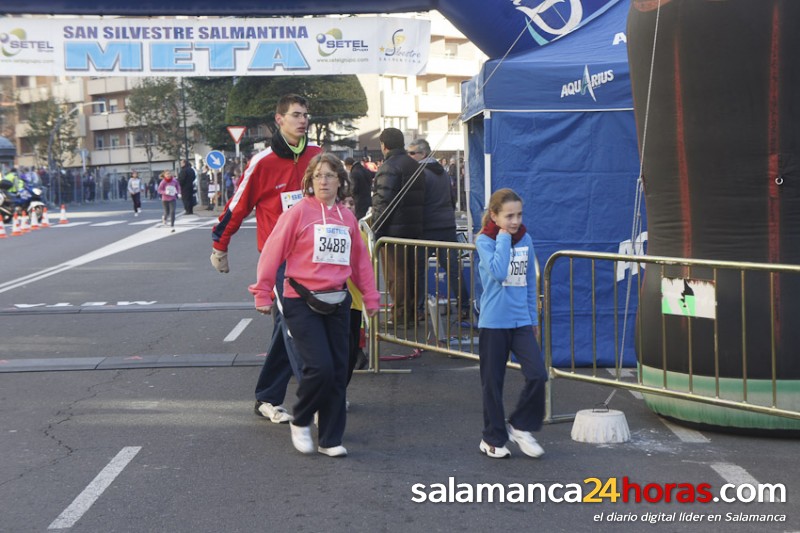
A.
x: 721, y: 182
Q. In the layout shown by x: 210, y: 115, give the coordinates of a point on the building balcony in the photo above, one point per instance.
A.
x: 110, y: 85
x: 68, y: 91
x: 444, y: 141
x: 440, y: 104
x: 107, y: 121
x: 449, y: 65
x: 396, y: 105
x: 23, y: 129
x: 124, y: 155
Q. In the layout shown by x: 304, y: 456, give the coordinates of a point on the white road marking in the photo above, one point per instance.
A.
x: 147, y: 222
x: 237, y: 330
x: 137, y: 239
x: 108, y: 223
x: 95, y: 489
x: 69, y: 224
x: 734, y: 474
x: 685, y: 434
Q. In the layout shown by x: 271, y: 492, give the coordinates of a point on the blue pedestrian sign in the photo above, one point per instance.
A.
x: 215, y: 160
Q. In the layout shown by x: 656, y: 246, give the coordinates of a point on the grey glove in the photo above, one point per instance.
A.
x: 219, y: 260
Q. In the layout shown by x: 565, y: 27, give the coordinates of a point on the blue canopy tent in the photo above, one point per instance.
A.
x: 556, y: 124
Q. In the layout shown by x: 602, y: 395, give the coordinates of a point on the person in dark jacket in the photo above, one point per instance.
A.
x: 396, y: 215
x: 360, y: 185
x: 439, y: 223
x: 186, y: 179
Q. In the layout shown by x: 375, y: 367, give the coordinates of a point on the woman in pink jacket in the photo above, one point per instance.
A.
x: 320, y: 242
x: 169, y: 189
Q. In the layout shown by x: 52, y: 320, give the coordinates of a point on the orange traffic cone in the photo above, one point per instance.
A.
x: 63, y: 219
x: 34, y: 220
x: 25, y: 226
x: 15, y: 227
x: 2, y: 230
x: 45, y: 220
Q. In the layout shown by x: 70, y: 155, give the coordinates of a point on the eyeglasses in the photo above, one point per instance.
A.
x: 326, y: 177
x: 297, y: 115
x: 413, y: 153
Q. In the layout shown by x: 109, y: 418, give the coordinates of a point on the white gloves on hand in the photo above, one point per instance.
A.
x: 219, y: 260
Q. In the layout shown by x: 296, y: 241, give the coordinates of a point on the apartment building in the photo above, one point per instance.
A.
x: 97, y: 108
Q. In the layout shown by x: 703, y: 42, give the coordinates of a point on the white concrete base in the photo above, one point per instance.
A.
x: 600, y: 427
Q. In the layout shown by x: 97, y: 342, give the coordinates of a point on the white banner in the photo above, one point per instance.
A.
x: 689, y: 297
x: 213, y: 47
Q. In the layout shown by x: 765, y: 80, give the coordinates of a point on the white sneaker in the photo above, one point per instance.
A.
x: 301, y: 439
x: 136, y: 213
x: 333, y: 451
x: 527, y: 444
x: 495, y: 452
x: 276, y: 414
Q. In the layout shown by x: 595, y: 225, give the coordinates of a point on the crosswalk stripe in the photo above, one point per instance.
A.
x: 108, y: 223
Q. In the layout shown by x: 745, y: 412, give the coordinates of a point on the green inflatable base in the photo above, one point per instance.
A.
x: 759, y: 392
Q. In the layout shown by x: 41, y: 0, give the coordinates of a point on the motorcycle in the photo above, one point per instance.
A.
x: 28, y: 199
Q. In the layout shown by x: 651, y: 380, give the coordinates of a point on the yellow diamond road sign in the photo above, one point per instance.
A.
x: 236, y: 133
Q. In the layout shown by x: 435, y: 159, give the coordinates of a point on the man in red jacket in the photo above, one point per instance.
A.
x: 271, y: 185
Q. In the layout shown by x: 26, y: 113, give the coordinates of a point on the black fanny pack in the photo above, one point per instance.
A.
x: 322, y: 302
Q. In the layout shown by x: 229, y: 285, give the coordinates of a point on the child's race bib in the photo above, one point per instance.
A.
x: 517, y: 268
x: 171, y: 190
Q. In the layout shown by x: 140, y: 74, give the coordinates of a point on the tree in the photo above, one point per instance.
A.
x: 334, y: 102
x: 51, y: 118
x: 155, y: 114
x: 208, y: 98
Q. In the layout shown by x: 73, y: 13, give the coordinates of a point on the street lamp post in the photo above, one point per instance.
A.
x: 185, y: 130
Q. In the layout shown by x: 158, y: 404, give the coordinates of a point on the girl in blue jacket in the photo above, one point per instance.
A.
x: 508, y: 323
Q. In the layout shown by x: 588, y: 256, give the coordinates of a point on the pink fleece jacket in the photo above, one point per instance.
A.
x: 292, y: 241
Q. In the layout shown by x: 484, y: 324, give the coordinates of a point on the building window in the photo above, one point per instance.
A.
x: 114, y: 140
x: 99, y: 142
x: 112, y: 105
x: 451, y: 49
x: 454, y: 87
x: 401, y: 123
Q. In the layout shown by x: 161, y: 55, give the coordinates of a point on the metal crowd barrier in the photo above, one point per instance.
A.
x: 440, y: 327
x: 656, y: 266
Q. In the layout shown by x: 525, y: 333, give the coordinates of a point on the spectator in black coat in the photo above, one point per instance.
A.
x: 439, y: 223
x: 394, y: 215
x: 186, y: 180
x: 360, y: 186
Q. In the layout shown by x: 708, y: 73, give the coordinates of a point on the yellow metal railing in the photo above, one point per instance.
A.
x: 784, y: 404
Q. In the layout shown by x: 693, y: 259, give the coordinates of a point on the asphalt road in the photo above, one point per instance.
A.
x: 162, y: 436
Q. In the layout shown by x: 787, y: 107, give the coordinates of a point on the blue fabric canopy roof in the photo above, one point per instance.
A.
x: 540, y: 79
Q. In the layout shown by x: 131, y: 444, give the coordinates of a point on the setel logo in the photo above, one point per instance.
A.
x: 331, y: 41
x: 587, y: 84
x: 534, y: 18
x: 15, y: 41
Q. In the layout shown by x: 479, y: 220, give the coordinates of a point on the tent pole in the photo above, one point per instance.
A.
x: 487, y: 157
x: 464, y: 133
